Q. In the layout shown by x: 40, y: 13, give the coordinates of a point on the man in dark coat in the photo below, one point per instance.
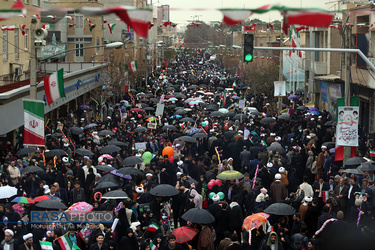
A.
x: 278, y: 190
x: 245, y: 157
x: 235, y: 217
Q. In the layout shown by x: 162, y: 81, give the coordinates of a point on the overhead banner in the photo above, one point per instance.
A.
x: 280, y: 88
x: 347, y: 126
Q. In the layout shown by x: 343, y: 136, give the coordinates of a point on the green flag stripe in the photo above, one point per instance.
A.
x: 34, y: 108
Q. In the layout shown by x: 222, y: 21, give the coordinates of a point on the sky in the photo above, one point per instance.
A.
x: 184, y: 16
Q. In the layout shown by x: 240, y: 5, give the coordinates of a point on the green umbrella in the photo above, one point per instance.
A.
x: 230, y: 175
x: 353, y: 171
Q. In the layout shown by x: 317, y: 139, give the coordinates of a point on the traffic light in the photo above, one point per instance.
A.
x: 248, y: 48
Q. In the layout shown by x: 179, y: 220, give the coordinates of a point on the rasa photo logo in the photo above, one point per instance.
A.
x: 70, y: 217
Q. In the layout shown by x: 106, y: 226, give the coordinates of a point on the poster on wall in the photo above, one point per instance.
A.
x: 280, y: 88
x: 347, y: 126
x: 323, y: 91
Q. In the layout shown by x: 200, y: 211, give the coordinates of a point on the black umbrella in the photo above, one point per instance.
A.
x: 212, y: 107
x: 191, y: 181
x: 367, y: 166
x: 285, y: 117
x: 192, y: 87
x: 267, y: 120
x: 110, y: 178
x: 110, y: 149
x: 141, y: 94
x: 144, y: 105
x: 32, y: 169
x: 76, y: 130
x: 302, y: 108
x: 354, y: 162
x: 116, y: 194
x: 199, y: 135
x: 105, y: 133
x: 119, y: 143
x: 187, y: 119
x: 154, y: 99
x: 57, y: 135
x: 179, y: 96
x: 280, y: 209
x: 56, y: 152
x: 199, y: 216
x: 144, y: 100
x: 133, y: 90
x: 51, y: 204
x: 140, y: 130
x: 129, y: 170
x: 164, y: 190
x: 220, y: 88
x: 83, y: 151
x: 149, y: 109
x: 239, y: 117
x: 25, y: 151
x: 230, y: 114
x: 330, y: 123
x: 169, y: 127
x: 104, y: 168
x: 216, y: 114
x: 255, y: 113
x: 276, y: 148
x: 187, y: 139
x: 105, y: 185
x: 171, y: 106
x: 132, y: 160
x: 180, y: 112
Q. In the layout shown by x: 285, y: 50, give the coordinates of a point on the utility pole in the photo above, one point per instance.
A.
x: 281, y: 73
x: 347, y: 149
x: 33, y: 62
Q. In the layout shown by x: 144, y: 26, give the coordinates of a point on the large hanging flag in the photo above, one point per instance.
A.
x: 91, y: 27
x: 235, y: 16
x: 307, y: 17
x: 137, y: 19
x: 153, y: 227
x: 133, y: 66
x: 46, y: 245
x: 111, y: 26
x: 33, y: 123
x: 54, y: 86
x: 8, y: 27
x: 65, y: 242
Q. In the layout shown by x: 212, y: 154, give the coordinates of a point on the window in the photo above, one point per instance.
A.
x: 79, y: 49
x: 87, y: 40
x: 79, y: 21
x: 36, y: 2
x: 317, y: 45
x: 5, y: 45
x: 16, y: 44
x: 97, y: 43
x: 26, y: 39
x: 26, y: 1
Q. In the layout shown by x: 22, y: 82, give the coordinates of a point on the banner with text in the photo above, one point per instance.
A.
x: 280, y: 88
x: 347, y: 126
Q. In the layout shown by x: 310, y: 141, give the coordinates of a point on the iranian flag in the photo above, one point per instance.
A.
x: 46, y: 245
x: 133, y: 66
x: 235, y: 16
x: 372, y: 152
x: 269, y: 26
x: 65, y: 242
x: 295, y: 39
x: 54, y: 86
x: 22, y: 27
x: 52, y: 16
x: 8, y: 27
x: 152, y: 246
x: 33, y: 123
x: 71, y: 25
x: 111, y: 26
x: 307, y: 17
x: 325, y: 196
x: 46, y: 26
x: 91, y: 27
x: 153, y: 227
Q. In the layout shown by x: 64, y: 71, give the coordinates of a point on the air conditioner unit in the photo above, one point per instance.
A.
x: 18, y: 71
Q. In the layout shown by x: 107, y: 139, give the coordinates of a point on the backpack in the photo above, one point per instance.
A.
x: 298, y: 242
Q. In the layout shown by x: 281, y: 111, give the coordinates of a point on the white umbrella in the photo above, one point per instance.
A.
x: 7, y: 192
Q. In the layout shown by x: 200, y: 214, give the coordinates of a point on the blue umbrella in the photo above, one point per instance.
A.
x: 193, y: 103
x: 293, y: 97
x: 194, y: 131
x: 175, y: 117
x: 314, y: 112
x: 313, y: 109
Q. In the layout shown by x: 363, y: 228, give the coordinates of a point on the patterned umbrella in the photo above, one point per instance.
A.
x: 80, y: 207
x: 230, y: 175
x: 45, y: 197
x: 23, y: 199
x: 194, y: 131
x: 184, y: 234
x: 255, y: 221
x: 107, y: 156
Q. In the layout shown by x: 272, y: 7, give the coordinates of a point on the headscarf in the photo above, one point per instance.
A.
x: 198, y: 201
x: 276, y: 241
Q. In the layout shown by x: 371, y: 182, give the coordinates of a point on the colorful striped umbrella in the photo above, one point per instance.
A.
x: 23, y: 199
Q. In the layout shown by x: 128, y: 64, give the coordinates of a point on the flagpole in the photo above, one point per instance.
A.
x: 33, y: 68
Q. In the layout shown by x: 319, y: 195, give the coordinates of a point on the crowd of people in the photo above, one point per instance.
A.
x: 288, y: 161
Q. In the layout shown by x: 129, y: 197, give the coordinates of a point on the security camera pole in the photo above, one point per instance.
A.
x: 33, y: 69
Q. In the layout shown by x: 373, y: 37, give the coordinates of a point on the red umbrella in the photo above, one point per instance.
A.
x: 136, y: 110
x: 41, y: 198
x: 184, y: 234
x: 169, y: 96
